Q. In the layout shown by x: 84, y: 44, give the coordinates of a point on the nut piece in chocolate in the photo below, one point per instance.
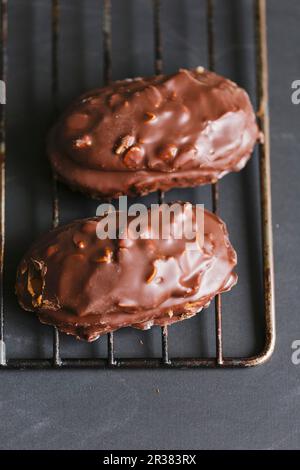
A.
x: 87, y: 286
x: 140, y: 135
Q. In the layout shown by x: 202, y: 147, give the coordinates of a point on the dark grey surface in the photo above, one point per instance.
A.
x: 230, y: 409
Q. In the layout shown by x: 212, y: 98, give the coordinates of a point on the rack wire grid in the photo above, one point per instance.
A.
x: 218, y: 361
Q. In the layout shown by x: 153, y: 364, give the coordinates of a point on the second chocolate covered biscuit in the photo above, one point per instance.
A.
x: 137, y: 136
x: 88, y: 286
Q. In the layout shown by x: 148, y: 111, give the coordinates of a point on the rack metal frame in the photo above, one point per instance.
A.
x: 219, y: 361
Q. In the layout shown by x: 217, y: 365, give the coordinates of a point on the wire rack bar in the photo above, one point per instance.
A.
x: 136, y: 363
x: 107, y: 75
x: 3, y: 76
x: 55, y: 13
x: 157, y: 36
x: 107, y: 47
x: 158, y: 64
x: 55, y: 16
x: 215, y: 191
x: 265, y: 176
x: 158, y: 61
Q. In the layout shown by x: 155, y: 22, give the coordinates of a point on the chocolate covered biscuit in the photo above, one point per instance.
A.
x: 139, y: 135
x: 87, y: 286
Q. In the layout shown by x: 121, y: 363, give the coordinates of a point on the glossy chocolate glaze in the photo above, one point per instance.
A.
x: 137, y: 136
x: 87, y: 286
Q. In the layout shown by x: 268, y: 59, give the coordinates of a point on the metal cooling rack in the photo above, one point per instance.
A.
x: 219, y: 361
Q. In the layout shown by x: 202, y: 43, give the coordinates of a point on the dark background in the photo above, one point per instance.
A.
x: 213, y: 409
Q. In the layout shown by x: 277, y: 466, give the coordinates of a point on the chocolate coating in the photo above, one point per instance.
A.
x: 87, y: 286
x: 137, y: 136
